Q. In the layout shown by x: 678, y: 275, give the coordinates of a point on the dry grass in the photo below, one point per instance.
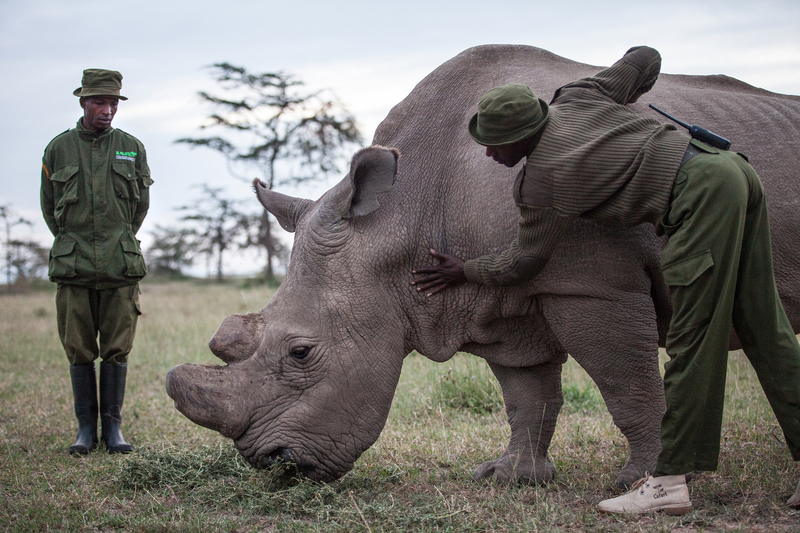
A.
x: 185, y: 478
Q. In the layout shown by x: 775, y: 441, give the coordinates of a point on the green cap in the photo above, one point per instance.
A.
x: 100, y: 82
x: 508, y: 114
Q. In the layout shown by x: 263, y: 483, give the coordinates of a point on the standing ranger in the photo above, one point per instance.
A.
x: 95, y: 194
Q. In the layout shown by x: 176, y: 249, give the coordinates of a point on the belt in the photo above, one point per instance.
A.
x: 690, y: 152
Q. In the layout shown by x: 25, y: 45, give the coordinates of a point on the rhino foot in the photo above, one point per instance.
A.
x: 513, y: 469
x: 629, y: 475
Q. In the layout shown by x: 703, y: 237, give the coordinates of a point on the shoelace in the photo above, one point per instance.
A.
x: 641, y: 482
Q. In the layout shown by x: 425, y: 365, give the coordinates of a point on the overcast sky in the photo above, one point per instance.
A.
x: 371, y: 54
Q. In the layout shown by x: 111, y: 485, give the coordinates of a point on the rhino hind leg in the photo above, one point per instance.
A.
x: 635, y: 400
x: 533, y: 400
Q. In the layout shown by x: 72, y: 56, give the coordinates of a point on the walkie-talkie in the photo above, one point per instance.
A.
x: 701, y: 134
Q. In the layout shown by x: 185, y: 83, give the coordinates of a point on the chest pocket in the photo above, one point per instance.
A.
x: 65, y: 191
x: 125, y: 183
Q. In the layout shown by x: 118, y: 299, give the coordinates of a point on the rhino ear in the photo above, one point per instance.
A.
x: 372, y: 171
x: 286, y: 209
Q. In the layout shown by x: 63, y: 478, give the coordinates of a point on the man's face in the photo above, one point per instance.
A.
x: 99, y: 111
x: 508, y: 154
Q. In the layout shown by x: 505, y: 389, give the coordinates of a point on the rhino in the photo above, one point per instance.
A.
x: 310, y: 378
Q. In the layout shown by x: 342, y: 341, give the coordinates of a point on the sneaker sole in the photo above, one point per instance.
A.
x: 676, y: 510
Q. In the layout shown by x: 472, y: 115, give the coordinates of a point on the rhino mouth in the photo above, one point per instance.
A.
x: 284, y: 455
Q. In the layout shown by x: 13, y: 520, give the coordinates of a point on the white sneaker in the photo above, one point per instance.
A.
x: 663, y: 493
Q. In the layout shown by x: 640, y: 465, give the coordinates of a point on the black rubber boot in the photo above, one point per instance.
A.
x: 84, y: 391
x: 112, y: 393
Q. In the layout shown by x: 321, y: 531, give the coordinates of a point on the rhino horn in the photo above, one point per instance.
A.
x: 287, y: 209
x: 203, y: 394
x: 237, y: 337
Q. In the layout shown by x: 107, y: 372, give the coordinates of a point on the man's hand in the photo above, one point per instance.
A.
x: 450, y: 271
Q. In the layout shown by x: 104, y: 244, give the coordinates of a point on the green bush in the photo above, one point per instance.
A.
x: 586, y: 398
x: 469, y: 385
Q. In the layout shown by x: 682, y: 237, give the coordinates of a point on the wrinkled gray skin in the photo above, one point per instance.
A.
x: 310, y: 378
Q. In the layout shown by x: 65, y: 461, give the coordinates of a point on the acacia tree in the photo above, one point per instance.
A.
x: 28, y: 259
x: 172, y: 249
x: 287, y: 135
x: 218, y: 225
x: 23, y: 259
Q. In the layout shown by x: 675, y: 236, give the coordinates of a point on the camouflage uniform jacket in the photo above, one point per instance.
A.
x: 94, y: 196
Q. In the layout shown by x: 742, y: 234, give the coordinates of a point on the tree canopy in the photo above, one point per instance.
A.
x: 23, y: 258
x: 217, y: 224
x: 266, y: 122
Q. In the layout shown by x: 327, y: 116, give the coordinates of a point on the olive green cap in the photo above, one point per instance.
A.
x: 508, y: 114
x: 100, y: 82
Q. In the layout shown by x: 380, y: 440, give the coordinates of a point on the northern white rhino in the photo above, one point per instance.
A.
x: 310, y: 378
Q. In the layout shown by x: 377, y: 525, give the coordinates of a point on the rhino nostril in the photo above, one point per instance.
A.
x: 287, y: 455
x: 276, y: 456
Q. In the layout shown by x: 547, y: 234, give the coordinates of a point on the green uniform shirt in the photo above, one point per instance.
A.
x: 595, y: 159
x: 95, y: 195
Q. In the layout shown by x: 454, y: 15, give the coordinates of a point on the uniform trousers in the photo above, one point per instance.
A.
x: 86, y: 316
x: 718, y: 266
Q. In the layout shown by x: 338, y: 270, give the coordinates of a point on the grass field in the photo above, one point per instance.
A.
x: 446, y: 419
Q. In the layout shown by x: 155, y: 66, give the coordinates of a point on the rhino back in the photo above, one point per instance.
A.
x: 460, y: 201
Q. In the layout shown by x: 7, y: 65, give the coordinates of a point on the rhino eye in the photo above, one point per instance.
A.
x: 300, y: 352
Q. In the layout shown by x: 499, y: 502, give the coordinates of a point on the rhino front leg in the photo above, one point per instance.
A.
x: 533, y: 400
x: 616, y: 342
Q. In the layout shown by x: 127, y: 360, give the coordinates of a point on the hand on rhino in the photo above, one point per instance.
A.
x: 449, y: 272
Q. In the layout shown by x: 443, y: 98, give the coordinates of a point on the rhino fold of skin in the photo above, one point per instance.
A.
x: 310, y: 378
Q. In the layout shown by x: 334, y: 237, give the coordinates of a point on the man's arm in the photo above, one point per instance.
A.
x: 144, y: 192
x: 512, y: 267
x: 539, y: 232
x: 627, y: 79
x: 46, y: 199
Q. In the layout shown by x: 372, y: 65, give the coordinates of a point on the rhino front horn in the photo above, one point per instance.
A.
x: 202, y: 394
